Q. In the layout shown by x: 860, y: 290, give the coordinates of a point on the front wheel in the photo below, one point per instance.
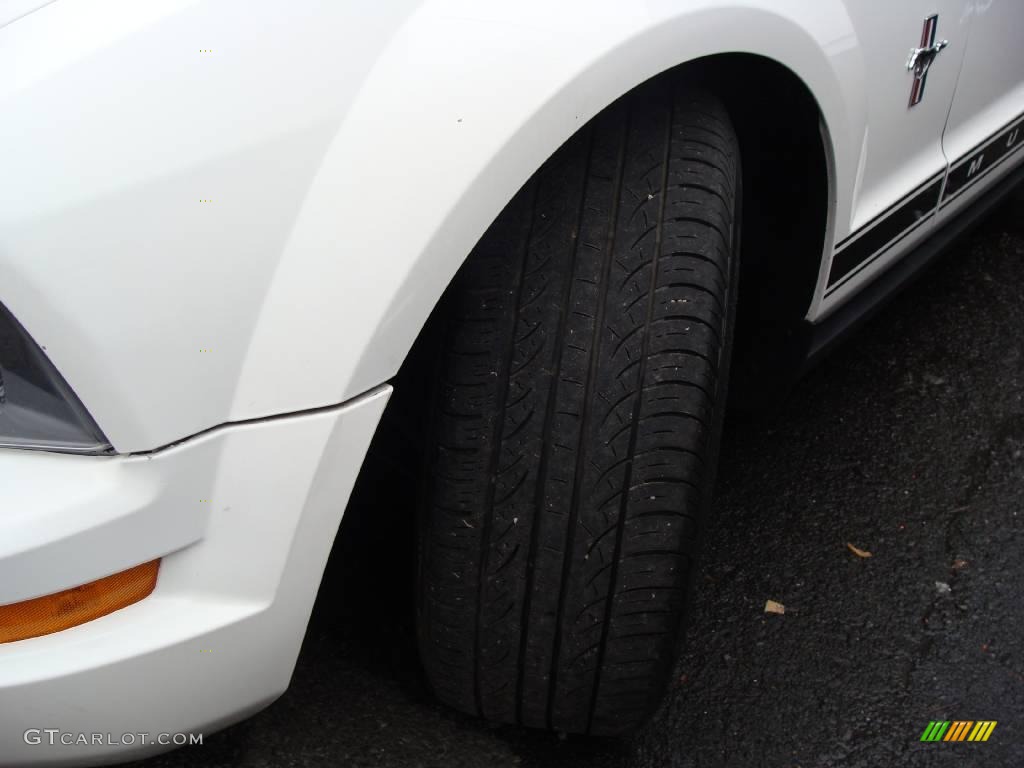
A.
x: 576, y: 419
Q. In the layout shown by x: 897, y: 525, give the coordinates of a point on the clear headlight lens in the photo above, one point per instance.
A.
x: 38, y: 410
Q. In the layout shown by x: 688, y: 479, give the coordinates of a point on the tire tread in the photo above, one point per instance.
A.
x: 579, y: 401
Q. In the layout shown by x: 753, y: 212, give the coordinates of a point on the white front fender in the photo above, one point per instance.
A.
x: 216, y: 211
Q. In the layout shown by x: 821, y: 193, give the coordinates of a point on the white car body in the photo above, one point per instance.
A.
x: 226, y: 223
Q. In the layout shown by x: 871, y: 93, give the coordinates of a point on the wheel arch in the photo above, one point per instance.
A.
x: 486, y: 116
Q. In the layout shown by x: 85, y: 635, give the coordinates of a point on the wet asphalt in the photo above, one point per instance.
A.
x: 907, y: 443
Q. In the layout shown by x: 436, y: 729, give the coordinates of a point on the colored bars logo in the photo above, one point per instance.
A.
x: 958, y: 730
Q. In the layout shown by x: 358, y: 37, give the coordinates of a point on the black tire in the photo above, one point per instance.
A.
x: 576, y: 421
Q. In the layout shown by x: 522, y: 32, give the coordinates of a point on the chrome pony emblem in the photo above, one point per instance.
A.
x: 920, y: 59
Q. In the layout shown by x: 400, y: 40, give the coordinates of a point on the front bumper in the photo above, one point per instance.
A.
x: 243, y: 517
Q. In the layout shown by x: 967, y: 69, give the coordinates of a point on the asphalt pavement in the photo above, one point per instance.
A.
x: 907, y: 443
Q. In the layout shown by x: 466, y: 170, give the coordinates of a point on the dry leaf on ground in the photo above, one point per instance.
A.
x: 857, y: 550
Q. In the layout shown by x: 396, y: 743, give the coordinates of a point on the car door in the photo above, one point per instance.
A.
x: 902, y: 165
x: 984, y: 135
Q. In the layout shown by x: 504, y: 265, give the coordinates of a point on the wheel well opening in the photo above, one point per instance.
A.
x: 784, y: 219
x: 784, y: 206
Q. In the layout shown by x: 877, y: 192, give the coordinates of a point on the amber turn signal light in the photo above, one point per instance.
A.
x: 63, y: 610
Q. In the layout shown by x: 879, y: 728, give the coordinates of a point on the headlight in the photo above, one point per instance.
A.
x: 37, y: 408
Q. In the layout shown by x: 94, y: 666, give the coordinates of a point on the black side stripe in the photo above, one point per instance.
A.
x: 872, y: 241
x: 884, y: 214
x: 861, y: 248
